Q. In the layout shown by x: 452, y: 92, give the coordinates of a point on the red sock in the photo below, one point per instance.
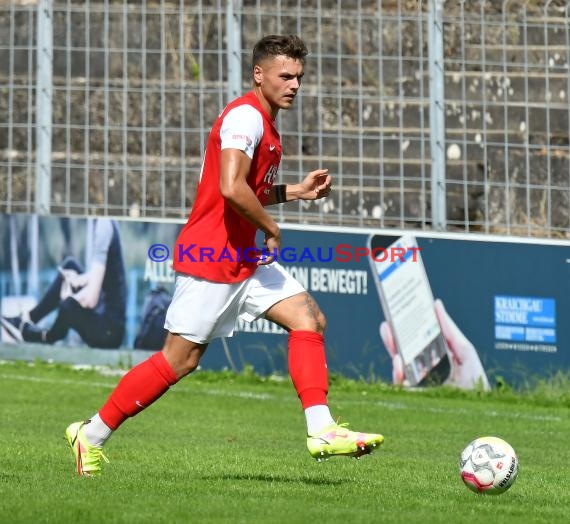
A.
x: 138, y: 389
x: 308, y: 367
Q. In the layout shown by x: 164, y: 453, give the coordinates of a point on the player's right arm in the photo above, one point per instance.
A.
x: 234, y: 170
x: 240, y: 133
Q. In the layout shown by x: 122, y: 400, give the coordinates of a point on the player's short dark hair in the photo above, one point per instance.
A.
x: 290, y: 46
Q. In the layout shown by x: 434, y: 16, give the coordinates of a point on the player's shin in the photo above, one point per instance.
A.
x: 138, y: 389
x: 309, y: 374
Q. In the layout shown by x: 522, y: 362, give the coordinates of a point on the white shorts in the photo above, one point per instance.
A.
x: 202, y: 310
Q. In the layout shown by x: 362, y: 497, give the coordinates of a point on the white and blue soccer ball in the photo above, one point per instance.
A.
x: 489, y: 465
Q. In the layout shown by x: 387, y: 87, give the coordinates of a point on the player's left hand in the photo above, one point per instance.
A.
x: 316, y: 185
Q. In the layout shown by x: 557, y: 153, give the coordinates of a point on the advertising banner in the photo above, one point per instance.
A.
x: 400, y: 306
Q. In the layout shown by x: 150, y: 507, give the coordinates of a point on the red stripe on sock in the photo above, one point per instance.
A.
x: 308, y: 367
x: 138, y: 389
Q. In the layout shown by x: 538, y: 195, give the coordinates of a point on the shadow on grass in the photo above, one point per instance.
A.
x: 268, y: 477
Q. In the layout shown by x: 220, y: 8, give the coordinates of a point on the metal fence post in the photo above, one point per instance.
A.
x: 233, y: 39
x: 44, y: 105
x: 437, y: 114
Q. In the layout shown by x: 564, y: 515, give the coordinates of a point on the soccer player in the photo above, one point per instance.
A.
x: 219, y: 276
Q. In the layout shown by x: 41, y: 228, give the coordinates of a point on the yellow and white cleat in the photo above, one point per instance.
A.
x: 338, y: 440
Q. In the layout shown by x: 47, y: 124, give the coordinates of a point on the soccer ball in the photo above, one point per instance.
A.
x: 488, y: 465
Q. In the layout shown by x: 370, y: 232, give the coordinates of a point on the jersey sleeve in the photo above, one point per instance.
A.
x: 103, y: 234
x: 242, y: 128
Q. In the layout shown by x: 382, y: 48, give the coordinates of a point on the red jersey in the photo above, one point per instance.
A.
x: 217, y: 243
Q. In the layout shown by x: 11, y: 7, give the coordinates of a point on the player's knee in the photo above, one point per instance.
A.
x: 315, y: 321
x: 323, y: 325
x: 183, y: 367
x: 182, y: 355
x: 190, y: 365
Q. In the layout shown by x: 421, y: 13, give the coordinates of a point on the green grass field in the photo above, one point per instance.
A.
x: 226, y: 448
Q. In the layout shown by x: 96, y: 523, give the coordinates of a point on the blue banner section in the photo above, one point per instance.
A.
x: 537, y: 312
x: 492, y: 300
x: 525, y: 319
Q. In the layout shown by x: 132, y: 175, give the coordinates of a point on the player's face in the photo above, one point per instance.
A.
x: 278, y: 80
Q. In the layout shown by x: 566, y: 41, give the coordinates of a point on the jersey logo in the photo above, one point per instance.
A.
x: 271, y: 174
x: 247, y: 139
x: 271, y: 147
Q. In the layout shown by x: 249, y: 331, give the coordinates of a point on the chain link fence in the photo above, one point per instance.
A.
x: 105, y: 107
